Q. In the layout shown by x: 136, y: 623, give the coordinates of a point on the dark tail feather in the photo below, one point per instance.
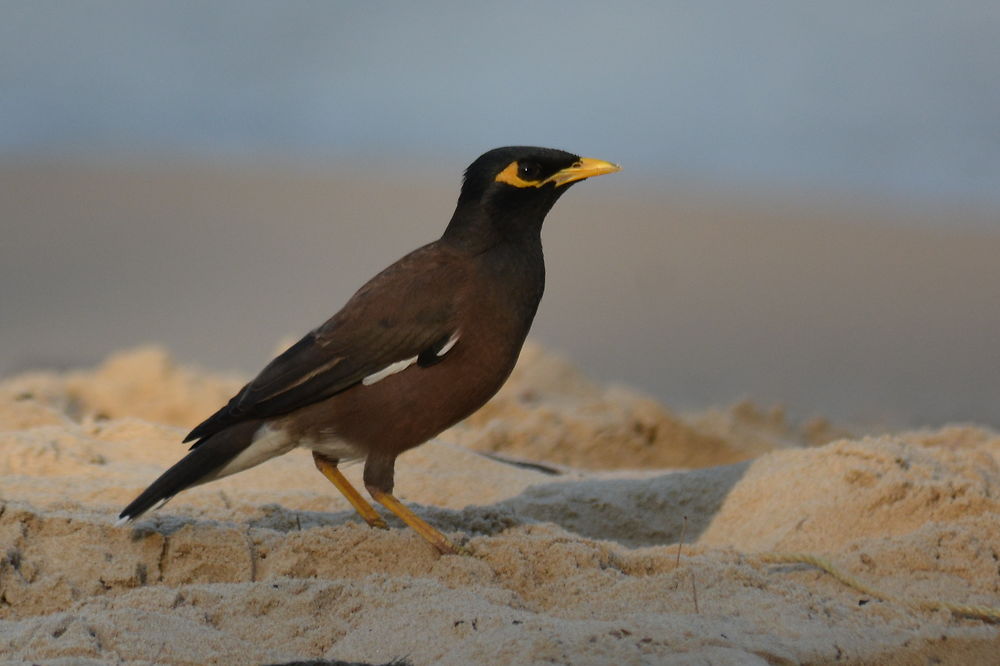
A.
x: 196, y: 467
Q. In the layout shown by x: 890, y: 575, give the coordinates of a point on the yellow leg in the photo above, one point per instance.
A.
x: 433, y: 536
x: 364, y: 509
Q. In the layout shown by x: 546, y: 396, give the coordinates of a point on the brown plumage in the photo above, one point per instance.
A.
x: 418, y: 348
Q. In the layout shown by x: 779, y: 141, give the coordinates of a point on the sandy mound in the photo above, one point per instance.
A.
x: 575, y: 561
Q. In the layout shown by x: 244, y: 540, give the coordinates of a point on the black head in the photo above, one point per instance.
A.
x: 508, y: 191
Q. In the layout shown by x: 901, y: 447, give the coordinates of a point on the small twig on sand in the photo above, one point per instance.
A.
x: 677, y: 563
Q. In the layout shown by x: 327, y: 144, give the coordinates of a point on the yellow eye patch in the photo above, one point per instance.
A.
x: 510, y: 177
x: 585, y: 167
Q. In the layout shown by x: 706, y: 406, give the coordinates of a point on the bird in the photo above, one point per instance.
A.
x: 419, y: 347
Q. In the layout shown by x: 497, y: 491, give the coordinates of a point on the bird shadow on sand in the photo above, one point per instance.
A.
x: 633, y: 512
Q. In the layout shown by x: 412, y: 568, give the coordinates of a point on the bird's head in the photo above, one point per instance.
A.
x: 510, y: 190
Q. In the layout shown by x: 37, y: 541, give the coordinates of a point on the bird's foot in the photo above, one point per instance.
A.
x: 378, y: 522
x: 417, y: 524
x: 462, y: 550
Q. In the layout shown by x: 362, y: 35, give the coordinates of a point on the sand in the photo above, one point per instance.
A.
x: 576, y: 557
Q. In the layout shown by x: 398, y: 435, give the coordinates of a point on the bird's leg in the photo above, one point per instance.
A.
x: 329, y: 469
x: 421, y: 527
x: 379, y: 482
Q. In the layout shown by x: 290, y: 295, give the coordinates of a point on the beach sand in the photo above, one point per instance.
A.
x: 638, y: 535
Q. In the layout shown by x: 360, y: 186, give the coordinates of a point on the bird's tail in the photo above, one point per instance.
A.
x: 199, y: 466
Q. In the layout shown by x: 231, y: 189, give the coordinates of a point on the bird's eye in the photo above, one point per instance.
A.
x: 529, y: 171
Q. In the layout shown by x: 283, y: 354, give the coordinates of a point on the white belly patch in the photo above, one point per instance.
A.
x: 334, y: 448
x: 270, y: 443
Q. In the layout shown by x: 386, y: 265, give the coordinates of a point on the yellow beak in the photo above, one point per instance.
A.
x: 584, y: 168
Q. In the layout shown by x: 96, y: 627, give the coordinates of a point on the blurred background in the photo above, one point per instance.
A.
x: 809, y: 212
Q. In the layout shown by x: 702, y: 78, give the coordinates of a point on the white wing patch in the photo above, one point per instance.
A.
x: 399, y: 366
x: 448, y: 345
x: 390, y: 369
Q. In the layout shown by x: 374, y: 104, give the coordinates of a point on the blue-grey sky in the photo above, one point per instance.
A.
x: 897, y: 100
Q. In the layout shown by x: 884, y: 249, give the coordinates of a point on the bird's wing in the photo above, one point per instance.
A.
x: 403, y: 312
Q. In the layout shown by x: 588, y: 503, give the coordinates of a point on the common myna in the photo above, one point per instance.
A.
x: 418, y: 348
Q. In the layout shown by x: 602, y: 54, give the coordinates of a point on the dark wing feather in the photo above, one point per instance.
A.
x: 402, y: 312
